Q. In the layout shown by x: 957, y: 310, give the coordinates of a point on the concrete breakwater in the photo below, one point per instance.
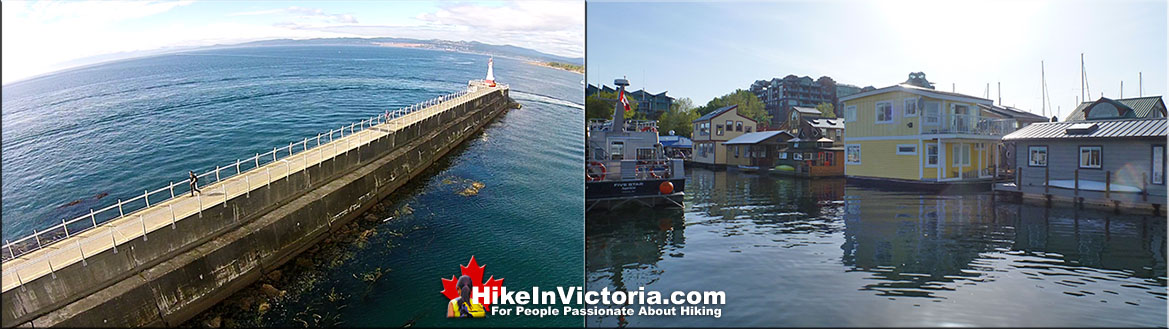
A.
x: 180, y: 267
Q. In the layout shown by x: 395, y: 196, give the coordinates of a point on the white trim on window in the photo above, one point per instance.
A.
x: 850, y: 113
x: 1089, y: 163
x: 901, y: 149
x: 910, y: 103
x: 1037, y: 161
x: 848, y: 148
x: 961, y: 153
x: 877, y: 112
x: 931, y: 146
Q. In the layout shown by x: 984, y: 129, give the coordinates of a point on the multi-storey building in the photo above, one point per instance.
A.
x: 652, y: 105
x: 779, y: 96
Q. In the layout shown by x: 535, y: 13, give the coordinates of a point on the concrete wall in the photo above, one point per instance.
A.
x: 173, y: 274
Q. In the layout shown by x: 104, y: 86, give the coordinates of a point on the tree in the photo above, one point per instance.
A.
x: 679, y: 118
x: 827, y: 110
x: 600, y: 106
x: 749, y: 105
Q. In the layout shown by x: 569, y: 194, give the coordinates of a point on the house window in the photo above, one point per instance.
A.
x: 738, y: 126
x: 1090, y: 157
x: 911, y: 107
x: 783, y: 155
x: 884, y: 112
x: 931, y: 113
x: 1158, y: 176
x: 961, y: 155
x: 850, y: 113
x: 617, y: 151
x: 645, y: 154
x: 829, y: 158
x: 1037, y: 156
x: 737, y: 151
x: 808, y: 156
x: 931, y: 155
x: 748, y: 128
x: 852, y: 154
x: 797, y: 156
x: 718, y: 130
x: 906, y: 149
x: 730, y: 125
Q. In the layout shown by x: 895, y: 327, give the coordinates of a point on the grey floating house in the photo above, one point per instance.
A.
x: 1112, y: 158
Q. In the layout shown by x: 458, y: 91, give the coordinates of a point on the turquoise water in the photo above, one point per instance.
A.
x: 123, y: 127
x: 795, y: 252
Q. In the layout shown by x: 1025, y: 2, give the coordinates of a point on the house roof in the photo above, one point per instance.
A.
x: 1124, y: 128
x: 1013, y: 113
x: 827, y: 123
x: 755, y: 137
x: 675, y: 141
x: 916, y: 90
x: 715, y: 113
x: 807, y: 110
x: 1141, y: 106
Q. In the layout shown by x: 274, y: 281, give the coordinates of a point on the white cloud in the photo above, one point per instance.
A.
x: 40, y: 37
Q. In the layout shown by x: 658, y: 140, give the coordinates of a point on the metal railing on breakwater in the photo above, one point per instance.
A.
x: 54, y: 235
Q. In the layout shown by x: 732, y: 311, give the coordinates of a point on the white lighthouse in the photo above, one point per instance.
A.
x: 490, y: 72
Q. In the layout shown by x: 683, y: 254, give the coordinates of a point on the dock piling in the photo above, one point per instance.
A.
x: 1144, y: 186
x: 1046, y: 180
x: 1019, y: 179
x: 1108, y: 184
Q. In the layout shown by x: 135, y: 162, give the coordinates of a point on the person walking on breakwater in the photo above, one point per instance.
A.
x: 463, y: 306
x: 194, y: 183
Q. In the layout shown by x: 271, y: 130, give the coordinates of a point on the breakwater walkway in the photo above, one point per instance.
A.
x: 162, y: 257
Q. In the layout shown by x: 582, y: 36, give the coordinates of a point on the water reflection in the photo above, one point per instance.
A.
x: 802, y: 252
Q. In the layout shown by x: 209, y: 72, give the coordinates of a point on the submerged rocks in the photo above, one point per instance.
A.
x: 271, y: 291
x: 473, y: 189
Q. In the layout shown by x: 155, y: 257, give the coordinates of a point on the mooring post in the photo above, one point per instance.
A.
x: 1144, y: 186
x: 1019, y: 179
x: 1077, y: 190
x: 1046, y: 180
x: 1108, y: 184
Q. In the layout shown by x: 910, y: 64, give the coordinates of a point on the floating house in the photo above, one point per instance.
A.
x: 713, y: 130
x: 757, y: 150
x: 912, y: 133
x: 1107, y: 159
x: 812, y: 158
x: 1141, y: 107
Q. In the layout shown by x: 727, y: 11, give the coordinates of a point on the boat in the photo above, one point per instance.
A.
x: 625, y: 163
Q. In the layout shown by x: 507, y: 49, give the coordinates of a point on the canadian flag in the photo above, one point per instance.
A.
x: 624, y: 102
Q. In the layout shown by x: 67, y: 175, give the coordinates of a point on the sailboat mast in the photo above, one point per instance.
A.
x: 1043, y: 86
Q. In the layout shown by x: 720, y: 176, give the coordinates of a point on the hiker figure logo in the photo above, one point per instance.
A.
x: 459, y: 291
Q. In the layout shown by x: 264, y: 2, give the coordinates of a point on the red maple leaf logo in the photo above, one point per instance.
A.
x: 473, y: 270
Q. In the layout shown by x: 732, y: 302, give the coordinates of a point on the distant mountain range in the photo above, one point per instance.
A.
x: 474, y: 47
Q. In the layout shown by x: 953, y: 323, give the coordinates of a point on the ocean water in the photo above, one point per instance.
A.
x: 796, y: 252
x: 123, y: 127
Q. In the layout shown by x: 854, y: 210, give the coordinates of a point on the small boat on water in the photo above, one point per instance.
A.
x: 626, y: 163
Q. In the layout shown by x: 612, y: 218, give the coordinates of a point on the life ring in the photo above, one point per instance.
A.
x: 645, y: 129
x: 594, y: 177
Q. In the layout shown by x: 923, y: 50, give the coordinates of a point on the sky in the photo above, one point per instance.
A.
x: 45, y: 36
x: 704, y: 50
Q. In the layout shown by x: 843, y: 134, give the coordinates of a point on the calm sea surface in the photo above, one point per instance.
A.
x: 792, y: 252
x: 123, y: 127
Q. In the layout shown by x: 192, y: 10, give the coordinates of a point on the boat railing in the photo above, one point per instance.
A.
x: 45, y: 237
x: 614, y: 170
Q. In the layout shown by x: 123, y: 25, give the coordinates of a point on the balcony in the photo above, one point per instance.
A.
x: 966, y: 124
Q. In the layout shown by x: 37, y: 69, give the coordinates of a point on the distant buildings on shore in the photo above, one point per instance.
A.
x: 652, y: 105
x: 780, y: 96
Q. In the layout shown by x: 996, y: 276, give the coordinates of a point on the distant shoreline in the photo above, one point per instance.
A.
x: 579, y: 69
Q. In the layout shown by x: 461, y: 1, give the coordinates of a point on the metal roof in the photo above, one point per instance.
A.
x: 807, y: 110
x: 675, y: 141
x: 1013, y: 113
x: 1127, y: 128
x: 715, y: 113
x: 755, y: 137
x: 911, y: 88
x: 1141, y: 107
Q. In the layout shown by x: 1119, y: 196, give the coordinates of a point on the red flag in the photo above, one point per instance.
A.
x: 624, y: 102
